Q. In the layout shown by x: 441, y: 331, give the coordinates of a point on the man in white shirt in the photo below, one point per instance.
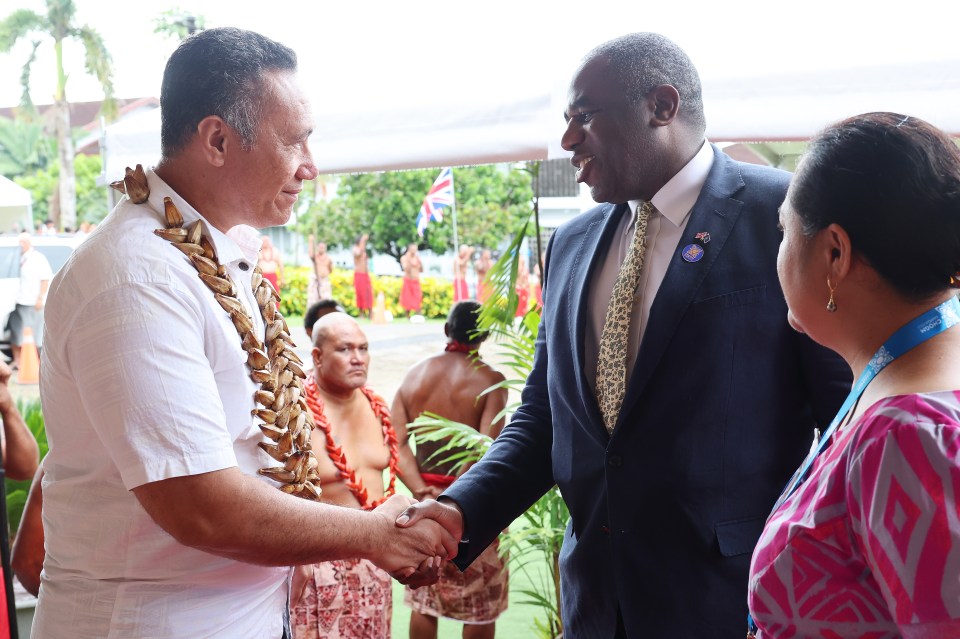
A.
x: 156, y: 523
x: 35, y: 276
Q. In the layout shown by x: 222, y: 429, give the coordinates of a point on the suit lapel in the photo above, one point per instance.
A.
x: 715, y: 212
x: 594, y: 246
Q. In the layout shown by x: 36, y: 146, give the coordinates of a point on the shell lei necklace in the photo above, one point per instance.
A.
x: 282, y: 415
x: 347, y: 473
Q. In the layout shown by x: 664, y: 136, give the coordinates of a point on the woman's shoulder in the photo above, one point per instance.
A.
x: 936, y: 413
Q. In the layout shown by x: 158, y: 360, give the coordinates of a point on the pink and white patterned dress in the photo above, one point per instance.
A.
x: 869, y: 546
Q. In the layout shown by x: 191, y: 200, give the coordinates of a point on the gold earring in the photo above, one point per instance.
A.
x: 831, y: 305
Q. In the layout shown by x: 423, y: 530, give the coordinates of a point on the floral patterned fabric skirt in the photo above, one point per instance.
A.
x: 347, y: 599
x: 477, y: 595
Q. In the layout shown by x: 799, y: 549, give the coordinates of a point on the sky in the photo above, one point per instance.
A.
x: 416, y: 83
x: 366, y: 53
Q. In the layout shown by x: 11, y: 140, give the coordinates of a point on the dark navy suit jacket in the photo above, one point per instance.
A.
x: 719, y: 412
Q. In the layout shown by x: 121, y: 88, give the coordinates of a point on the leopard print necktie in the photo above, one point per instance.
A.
x: 612, y: 361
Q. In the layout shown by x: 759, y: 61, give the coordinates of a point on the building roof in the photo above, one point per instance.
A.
x: 86, y: 115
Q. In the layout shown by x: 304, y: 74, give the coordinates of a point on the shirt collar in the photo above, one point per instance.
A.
x: 242, y: 242
x: 676, y: 198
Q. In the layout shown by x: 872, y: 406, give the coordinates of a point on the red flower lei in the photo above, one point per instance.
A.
x: 348, y: 474
x: 453, y: 346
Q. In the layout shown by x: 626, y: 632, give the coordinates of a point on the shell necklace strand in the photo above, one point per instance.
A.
x: 282, y: 413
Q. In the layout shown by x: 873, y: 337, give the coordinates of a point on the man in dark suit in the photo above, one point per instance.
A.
x: 669, y: 496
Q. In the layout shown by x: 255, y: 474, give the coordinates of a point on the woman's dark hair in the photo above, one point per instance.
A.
x: 893, y: 183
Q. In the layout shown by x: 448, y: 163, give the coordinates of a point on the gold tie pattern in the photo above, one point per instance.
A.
x: 612, y: 361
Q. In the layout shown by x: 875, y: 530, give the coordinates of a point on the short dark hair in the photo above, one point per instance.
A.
x: 218, y: 72
x: 893, y: 183
x: 318, y: 310
x: 462, y: 322
x: 647, y: 60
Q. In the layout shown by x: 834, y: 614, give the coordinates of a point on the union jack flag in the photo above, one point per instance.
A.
x: 439, y: 197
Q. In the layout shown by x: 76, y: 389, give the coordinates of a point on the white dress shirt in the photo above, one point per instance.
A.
x: 664, y: 228
x: 143, y: 379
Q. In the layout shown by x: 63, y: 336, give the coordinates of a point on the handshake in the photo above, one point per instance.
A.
x: 411, y: 538
x: 408, y: 540
x: 416, y: 537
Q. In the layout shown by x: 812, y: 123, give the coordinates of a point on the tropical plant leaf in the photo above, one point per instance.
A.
x: 463, y: 446
x: 99, y: 64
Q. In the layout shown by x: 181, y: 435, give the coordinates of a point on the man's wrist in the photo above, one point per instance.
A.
x: 464, y: 538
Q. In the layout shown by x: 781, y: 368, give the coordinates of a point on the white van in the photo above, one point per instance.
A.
x: 55, y: 248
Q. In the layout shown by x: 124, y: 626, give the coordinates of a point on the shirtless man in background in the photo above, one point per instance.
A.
x: 450, y: 384
x: 320, y: 288
x: 461, y: 263
x: 362, y: 288
x: 411, y: 296
x: 482, y: 267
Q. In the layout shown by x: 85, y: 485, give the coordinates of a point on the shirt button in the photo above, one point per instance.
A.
x: 244, y: 266
x: 615, y: 460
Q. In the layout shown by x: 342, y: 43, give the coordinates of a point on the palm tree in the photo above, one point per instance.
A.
x: 59, y: 24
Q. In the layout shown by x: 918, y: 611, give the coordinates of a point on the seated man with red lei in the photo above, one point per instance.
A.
x: 355, y: 443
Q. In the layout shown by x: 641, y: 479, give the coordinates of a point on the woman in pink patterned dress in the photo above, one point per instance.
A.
x: 868, y: 544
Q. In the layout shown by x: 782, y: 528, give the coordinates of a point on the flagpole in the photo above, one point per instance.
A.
x: 456, y: 240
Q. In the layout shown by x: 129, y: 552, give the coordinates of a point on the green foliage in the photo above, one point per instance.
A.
x: 15, y: 25
x: 178, y: 23
x: 437, y: 293
x: 57, y: 25
x: 293, y: 294
x: 532, y: 544
x: 24, y: 147
x: 17, y: 490
x: 463, y: 446
x: 98, y: 63
x: 491, y: 199
x: 91, y: 198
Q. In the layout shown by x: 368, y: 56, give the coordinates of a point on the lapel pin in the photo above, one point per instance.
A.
x: 703, y: 236
x: 692, y: 253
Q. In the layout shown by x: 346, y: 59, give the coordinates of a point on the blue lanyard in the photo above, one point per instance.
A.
x: 912, y: 334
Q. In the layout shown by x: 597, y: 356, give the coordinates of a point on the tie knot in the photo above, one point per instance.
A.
x: 644, y: 212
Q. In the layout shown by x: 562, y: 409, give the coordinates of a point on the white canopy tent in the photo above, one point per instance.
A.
x: 527, y: 127
x: 134, y: 140
x: 16, y: 207
x: 416, y: 84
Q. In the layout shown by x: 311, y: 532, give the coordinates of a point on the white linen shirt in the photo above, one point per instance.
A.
x: 143, y: 379
x: 34, y: 269
x: 674, y: 202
